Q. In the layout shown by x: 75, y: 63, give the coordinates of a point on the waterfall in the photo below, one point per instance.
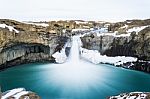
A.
x: 76, y: 77
x: 74, y: 53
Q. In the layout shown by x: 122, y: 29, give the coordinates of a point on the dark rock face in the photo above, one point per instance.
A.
x: 143, y: 43
x: 23, y: 53
x: 121, y: 47
x: 19, y: 53
x: 133, y: 45
x: 32, y: 43
x: 109, y: 45
x: 141, y: 66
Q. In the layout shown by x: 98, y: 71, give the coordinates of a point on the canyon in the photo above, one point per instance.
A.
x: 50, y: 42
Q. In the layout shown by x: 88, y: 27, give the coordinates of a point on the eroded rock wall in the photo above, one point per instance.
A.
x: 28, y: 45
x: 134, y: 45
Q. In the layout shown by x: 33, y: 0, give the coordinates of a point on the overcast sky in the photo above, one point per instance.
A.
x: 109, y: 10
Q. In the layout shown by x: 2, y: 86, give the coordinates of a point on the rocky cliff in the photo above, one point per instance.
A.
x: 24, y: 43
x: 133, y: 43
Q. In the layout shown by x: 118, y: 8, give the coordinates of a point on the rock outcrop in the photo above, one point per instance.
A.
x: 129, y: 44
x: 132, y: 95
x: 123, y: 26
x: 31, y: 43
x: 19, y: 93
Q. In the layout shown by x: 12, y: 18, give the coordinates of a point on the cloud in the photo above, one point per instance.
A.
x: 74, y: 9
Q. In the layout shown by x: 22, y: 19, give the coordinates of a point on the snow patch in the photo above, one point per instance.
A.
x: 79, y: 30
x: 123, y: 35
x: 38, y: 24
x: 129, y: 22
x: 81, y: 22
x: 18, y: 95
x: 60, y: 57
x: 104, y: 32
x: 12, y: 92
x: 114, y: 34
x: 95, y: 57
x: 9, y: 27
x: 42, y: 24
x: 136, y: 29
x: 101, y: 30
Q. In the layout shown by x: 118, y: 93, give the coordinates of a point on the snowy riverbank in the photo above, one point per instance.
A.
x: 96, y: 58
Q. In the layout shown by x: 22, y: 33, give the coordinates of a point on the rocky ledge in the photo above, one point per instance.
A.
x: 132, y: 95
x: 19, y: 93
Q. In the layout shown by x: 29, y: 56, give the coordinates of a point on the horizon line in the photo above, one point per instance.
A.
x: 73, y: 19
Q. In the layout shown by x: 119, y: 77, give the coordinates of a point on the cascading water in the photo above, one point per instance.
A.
x: 74, y: 53
x: 78, y: 77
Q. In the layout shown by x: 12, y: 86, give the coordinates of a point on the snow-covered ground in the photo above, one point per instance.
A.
x: 95, y: 57
x: 38, y: 24
x: 132, y: 95
x: 80, y: 30
x: 15, y: 93
x: 101, y: 30
x: 113, y: 34
x: 104, y: 32
x: 81, y: 22
x: 11, y: 28
x: 136, y: 29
